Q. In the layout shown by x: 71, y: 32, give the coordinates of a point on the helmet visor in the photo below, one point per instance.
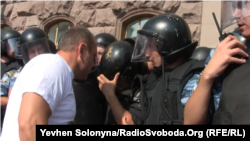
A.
x: 12, y: 44
x: 32, y: 49
x: 232, y: 12
x: 144, y: 45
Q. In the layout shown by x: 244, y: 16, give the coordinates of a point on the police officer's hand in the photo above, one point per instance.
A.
x: 224, y: 55
x: 106, y: 86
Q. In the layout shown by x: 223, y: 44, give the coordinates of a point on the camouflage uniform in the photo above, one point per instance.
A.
x: 7, y: 82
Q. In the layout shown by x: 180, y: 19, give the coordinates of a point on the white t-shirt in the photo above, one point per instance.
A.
x: 49, y: 76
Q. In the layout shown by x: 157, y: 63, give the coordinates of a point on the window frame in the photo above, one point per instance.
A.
x: 57, y: 27
x: 136, y: 21
x: 123, y: 20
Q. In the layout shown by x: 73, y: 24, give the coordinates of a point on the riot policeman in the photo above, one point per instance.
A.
x: 32, y: 42
x: 165, y: 40
x: 117, y: 58
x: 226, y: 76
x: 9, y: 64
x: 201, y: 53
x: 87, y: 93
x: 103, y: 40
x: 9, y: 40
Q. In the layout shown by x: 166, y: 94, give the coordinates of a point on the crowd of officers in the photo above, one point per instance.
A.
x: 148, y: 79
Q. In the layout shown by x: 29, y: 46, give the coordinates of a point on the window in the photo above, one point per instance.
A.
x: 5, y: 27
x: 131, y: 30
x: 56, y: 31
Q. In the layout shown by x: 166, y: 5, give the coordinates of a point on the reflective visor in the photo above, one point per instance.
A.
x: 143, y: 48
x: 12, y: 44
x: 32, y: 49
x: 232, y: 12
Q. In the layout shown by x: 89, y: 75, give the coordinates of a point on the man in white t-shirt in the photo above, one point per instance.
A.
x: 42, y: 93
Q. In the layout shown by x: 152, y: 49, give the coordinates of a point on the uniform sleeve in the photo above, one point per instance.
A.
x: 136, y: 111
x: 14, y: 77
x: 12, y: 82
x: 216, y: 89
x: 46, y: 85
x: 5, y: 83
x: 190, y: 87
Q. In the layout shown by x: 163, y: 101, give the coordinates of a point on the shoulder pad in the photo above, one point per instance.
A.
x: 188, y: 66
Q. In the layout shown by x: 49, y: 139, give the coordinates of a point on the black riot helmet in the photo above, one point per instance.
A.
x: 117, y: 58
x: 104, y: 39
x: 130, y: 40
x: 33, y: 41
x: 52, y: 47
x: 9, y: 42
x: 201, y: 53
x: 169, y: 33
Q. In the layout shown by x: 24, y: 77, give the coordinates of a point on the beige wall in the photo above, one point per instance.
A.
x: 112, y: 16
x: 209, y: 34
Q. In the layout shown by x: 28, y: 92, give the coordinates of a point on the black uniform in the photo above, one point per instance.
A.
x: 160, y: 96
x: 234, y: 101
x: 91, y: 104
x: 234, y: 105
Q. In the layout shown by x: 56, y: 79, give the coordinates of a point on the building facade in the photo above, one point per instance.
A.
x: 120, y: 18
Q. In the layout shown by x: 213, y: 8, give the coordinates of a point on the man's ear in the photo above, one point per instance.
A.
x: 81, y: 49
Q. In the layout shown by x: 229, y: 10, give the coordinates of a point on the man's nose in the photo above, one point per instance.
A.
x: 148, y: 53
x: 237, y: 14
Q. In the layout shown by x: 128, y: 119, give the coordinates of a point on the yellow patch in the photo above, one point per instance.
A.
x: 109, y: 52
x: 198, y: 79
x: 11, y: 73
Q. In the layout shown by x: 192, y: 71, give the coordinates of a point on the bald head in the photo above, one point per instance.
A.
x: 74, y: 36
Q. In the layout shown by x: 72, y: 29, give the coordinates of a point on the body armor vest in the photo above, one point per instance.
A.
x: 234, y: 103
x: 166, y: 108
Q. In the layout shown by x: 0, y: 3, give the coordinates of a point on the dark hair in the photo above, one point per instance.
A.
x: 73, y: 36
